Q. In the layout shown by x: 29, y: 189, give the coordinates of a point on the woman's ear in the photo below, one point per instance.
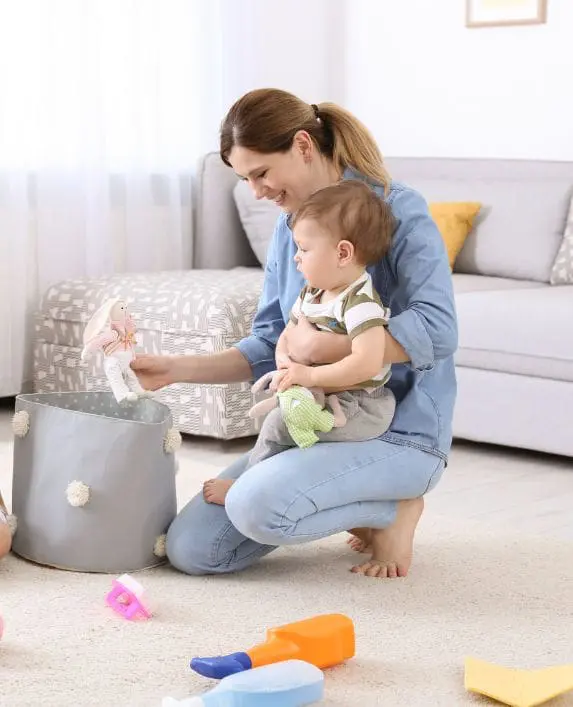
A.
x: 303, y: 145
x: 345, y: 251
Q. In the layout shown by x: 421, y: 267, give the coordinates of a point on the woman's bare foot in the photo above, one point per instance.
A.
x: 216, y: 490
x: 392, y: 547
x: 361, y: 540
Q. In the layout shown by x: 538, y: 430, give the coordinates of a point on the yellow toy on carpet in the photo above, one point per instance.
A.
x: 518, y: 688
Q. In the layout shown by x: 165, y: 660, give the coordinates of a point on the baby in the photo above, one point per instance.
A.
x: 5, y: 534
x: 339, y: 231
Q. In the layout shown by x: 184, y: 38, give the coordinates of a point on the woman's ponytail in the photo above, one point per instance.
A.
x: 352, y: 143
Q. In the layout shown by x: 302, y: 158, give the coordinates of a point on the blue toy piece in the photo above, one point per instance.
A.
x: 220, y: 666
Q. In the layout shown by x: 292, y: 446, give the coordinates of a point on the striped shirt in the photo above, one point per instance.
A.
x: 352, y: 312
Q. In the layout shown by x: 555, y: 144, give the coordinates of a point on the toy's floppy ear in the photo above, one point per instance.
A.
x: 99, y: 319
x: 264, y: 407
x: 263, y: 382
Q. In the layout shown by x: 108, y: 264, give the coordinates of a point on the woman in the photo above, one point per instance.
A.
x: 287, y: 149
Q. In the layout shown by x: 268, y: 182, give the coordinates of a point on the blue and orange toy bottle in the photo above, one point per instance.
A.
x: 323, y: 641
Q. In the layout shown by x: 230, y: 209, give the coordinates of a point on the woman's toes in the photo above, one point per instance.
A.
x: 382, y: 570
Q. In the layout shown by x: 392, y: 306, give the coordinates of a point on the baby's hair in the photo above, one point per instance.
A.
x: 352, y: 211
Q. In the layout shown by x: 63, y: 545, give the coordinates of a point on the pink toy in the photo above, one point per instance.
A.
x: 111, y: 330
x: 125, y: 598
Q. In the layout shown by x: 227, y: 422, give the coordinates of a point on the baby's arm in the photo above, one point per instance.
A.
x: 365, y: 361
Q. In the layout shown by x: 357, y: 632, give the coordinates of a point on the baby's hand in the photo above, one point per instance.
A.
x: 296, y: 374
x: 277, y: 378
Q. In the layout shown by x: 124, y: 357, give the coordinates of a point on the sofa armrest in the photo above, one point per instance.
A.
x: 219, y: 241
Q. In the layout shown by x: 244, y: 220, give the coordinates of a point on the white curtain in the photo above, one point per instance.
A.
x: 105, y: 106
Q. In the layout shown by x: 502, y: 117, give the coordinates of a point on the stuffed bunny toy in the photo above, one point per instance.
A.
x: 303, y: 410
x: 112, y: 331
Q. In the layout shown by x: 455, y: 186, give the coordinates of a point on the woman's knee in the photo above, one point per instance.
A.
x: 435, y: 476
x: 185, y: 551
x: 252, y: 509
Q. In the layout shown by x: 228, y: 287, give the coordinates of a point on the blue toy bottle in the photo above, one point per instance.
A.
x: 291, y: 683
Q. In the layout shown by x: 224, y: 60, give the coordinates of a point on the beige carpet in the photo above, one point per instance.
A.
x: 500, y: 597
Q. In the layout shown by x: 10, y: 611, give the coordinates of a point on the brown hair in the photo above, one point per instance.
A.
x: 267, y: 119
x: 353, y: 212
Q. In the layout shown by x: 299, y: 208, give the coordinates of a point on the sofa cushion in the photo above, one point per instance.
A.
x: 477, y: 283
x: 562, y: 270
x: 520, y: 331
x: 520, y: 226
x: 258, y: 218
x: 454, y: 221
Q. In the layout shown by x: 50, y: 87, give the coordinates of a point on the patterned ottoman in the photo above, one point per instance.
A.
x: 188, y: 312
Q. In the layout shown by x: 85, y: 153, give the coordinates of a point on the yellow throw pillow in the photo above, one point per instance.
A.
x: 454, y: 221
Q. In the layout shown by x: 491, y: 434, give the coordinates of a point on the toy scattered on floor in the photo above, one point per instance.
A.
x: 93, y: 481
x: 323, y: 641
x: 518, y: 688
x: 126, y: 598
x: 112, y: 331
x: 303, y: 410
x: 291, y: 683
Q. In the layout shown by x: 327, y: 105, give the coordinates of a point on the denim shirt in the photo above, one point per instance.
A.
x: 414, y: 280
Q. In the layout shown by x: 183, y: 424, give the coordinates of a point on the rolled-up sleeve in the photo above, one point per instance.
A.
x: 259, y: 347
x: 426, y: 328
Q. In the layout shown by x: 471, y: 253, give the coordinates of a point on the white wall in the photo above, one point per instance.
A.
x: 296, y: 45
x: 428, y: 86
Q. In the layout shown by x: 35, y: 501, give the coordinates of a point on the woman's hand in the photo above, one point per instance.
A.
x: 309, y: 346
x: 155, y: 372
x: 301, y: 341
x: 295, y: 374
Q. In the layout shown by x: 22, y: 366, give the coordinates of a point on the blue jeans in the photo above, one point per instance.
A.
x: 295, y: 497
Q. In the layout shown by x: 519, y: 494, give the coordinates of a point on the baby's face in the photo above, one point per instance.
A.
x: 317, y: 255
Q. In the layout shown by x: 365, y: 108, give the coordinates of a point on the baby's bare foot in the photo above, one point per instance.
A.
x: 361, y: 540
x: 216, y: 490
x: 392, y: 547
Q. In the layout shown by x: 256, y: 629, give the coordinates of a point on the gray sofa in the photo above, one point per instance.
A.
x: 515, y: 356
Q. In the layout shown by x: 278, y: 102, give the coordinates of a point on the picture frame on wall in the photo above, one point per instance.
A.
x: 503, y: 13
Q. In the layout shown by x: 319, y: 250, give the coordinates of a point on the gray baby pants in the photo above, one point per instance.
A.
x: 368, y: 415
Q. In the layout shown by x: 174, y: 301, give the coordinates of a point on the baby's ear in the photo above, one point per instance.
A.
x: 346, y: 252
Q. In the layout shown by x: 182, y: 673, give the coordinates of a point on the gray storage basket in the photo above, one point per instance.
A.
x: 93, y: 482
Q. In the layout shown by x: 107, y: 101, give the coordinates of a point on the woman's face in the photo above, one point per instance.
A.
x: 287, y: 178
